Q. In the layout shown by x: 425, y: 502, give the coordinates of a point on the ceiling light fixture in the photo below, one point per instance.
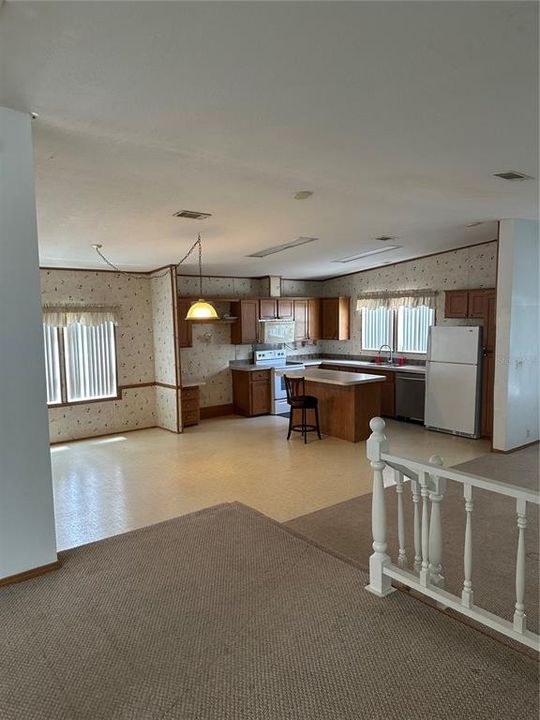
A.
x: 303, y: 194
x: 192, y: 215
x: 201, y: 310
x: 367, y: 253
x: 512, y: 175
x: 280, y: 248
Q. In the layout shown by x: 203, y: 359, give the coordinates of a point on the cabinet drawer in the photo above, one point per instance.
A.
x: 259, y: 375
x: 190, y: 418
x: 190, y: 393
x: 190, y: 404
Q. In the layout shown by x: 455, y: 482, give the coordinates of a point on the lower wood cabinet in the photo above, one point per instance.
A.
x: 252, y: 392
x: 388, y: 387
x: 190, y: 406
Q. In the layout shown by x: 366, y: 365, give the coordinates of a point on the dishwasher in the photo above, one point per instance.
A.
x: 410, y: 396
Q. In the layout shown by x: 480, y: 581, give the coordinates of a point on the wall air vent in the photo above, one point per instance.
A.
x: 192, y: 215
x: 366, y: 253
x: 512, y: 175
x: 280, y: 248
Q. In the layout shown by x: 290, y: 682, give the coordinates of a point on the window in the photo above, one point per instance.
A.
x: 404, y: 328
x: 80, y: 362
x: 413, y: 325
x: 377, y: 328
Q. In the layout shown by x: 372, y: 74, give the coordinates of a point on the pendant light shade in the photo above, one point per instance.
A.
x: 201, y: 310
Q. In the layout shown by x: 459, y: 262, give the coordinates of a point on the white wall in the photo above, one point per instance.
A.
x: 27, y: 533
x: 516, y: 402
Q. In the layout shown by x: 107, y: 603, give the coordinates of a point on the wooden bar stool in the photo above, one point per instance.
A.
x: 298, y: 400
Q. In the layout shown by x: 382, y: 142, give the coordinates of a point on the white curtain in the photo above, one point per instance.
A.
x: 89, y: 315
x: 90, y: 361
x: 393, y: 300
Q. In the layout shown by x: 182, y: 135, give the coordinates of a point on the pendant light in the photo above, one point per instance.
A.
x: 201, y: 310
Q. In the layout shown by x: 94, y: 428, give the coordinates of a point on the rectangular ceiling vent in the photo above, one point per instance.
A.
x: 280, y: 248
x: 512, y: 175
x: 366, y: 253
x: 192, y: 215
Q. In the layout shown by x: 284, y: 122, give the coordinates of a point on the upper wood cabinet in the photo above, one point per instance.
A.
x: 184, y: 326
x: 478, y: 302
x: 244, y: 330
x: 285, y: 309
x: 314, y: 319
x: 300, y: 319
x: 456, y: 303
x: 335, y: 318
x: 267, y: 309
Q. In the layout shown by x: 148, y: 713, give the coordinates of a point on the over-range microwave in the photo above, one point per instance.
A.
x: 276, y: 331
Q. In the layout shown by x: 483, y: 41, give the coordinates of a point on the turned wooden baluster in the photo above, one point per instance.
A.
x: 415, y: 490
x: 379, y: 583
x: 467, y: 592
x: 402, y: 555
x: 424, y: 492
x: 437, y: 489
x: 520, y: 618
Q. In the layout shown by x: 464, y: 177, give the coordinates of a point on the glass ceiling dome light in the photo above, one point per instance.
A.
x: 201, y: 310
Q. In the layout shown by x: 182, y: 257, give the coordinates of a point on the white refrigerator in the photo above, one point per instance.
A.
x: 453, y: 382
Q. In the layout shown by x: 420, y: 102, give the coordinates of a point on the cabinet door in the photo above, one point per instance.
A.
x: 184, y: 326
x: 260, y: 397
x: 285, y: 309
x: 330, y: 309
x: 314, y: 319
x: 478, y: 301
x: 336, y: 318
x: 244, y: 330
x: 456, y: 303
x: 488, y: 379
x: 301, y: 319
x: 489, y: 321
x: 267, y: 309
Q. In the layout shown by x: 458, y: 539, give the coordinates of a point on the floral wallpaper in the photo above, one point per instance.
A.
x: 135, y: 352
x: 164, y: 350
x: 226, y: 287
x: 473, y: 267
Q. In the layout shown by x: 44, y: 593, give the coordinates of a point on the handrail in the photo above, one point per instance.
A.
x: 428, y: 483
x: 465, y: 478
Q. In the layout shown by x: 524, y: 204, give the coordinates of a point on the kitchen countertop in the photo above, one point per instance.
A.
x: 337, y: 377
x: 419, y: 369
x: 248, y: 366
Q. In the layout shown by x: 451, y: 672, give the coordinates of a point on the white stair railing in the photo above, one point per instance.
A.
x: 428, y: 485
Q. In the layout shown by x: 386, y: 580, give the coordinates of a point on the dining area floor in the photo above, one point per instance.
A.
x: 111, y: 485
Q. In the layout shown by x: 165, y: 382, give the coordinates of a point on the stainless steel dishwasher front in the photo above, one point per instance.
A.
x: 410, y: 396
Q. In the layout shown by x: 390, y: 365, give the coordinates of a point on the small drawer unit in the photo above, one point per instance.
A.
x: 190, y: 406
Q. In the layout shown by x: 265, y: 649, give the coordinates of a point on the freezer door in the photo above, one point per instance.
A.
x: 454, y: 344
x: 452, y: 398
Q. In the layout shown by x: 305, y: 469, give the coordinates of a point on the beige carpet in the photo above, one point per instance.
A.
x: 226, y: 615
x: 346, y: 529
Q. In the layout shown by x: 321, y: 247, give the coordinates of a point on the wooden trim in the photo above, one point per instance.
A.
x: 216, y: 411
x: 177, y: 374
x: 513, y: 450
x: 166, y: 385
x: 400, y: 262
x: 102, y: 435
x: 29, y: 574
x: 136, y: 385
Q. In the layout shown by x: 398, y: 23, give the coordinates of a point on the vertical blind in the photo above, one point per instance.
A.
x: 90, y: 361
x: 413, y: 325
x: 52, y: 364
x: 377, y: 328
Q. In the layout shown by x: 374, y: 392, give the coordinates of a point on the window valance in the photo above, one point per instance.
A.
x: 394, y: 299
x: 64, y: 315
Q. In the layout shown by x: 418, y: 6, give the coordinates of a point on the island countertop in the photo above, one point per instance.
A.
x: 336, y: 377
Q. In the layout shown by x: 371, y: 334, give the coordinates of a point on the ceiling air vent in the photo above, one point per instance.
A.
x: 512, y: 175
x: 386, y: 238
x: 280, y: 248
x: 192, y: 215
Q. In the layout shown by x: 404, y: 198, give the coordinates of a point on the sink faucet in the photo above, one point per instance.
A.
x: 390, y: 353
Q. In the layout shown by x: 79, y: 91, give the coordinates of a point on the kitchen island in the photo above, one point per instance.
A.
x: 347, y: 400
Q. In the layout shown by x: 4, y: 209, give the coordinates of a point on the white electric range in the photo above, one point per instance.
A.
x: 277, y: 361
